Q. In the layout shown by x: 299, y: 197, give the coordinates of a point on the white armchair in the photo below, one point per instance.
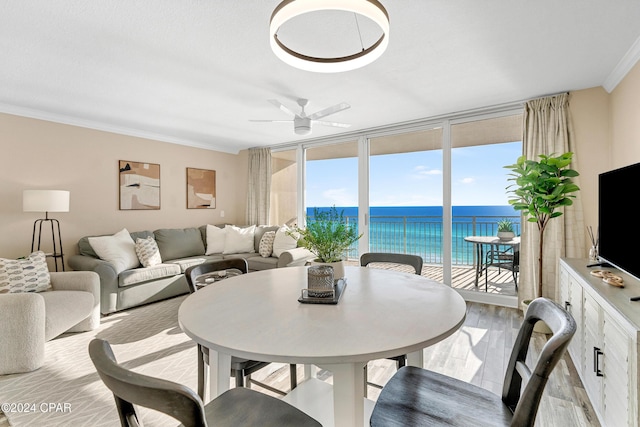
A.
x: 28, y: 320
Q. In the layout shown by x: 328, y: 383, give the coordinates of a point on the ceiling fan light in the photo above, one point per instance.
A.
x: 302, y: 130
x: 290, y: 9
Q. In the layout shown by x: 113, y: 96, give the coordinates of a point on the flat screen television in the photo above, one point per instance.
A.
x: 618, y: 221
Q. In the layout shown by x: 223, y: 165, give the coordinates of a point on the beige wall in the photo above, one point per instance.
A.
x: 43, y: 155
x: 607, y: 129
x: 625, y: 120
x: 590, y: 117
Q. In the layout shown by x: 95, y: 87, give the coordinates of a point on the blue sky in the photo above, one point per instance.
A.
x: 415, y: 179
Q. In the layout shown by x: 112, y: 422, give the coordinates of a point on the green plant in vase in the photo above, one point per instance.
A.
x: 539, y: 190
x: 327, y: 235
x: 505, y: 229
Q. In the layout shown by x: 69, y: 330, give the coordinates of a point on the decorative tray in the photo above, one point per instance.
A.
x: 338, y: 289
x: 216, y: 276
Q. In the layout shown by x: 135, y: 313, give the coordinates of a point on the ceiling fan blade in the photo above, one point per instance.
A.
x: 330, y: 110
x: 282, y: 107
x: 272, y: 121
x: 334, y: 124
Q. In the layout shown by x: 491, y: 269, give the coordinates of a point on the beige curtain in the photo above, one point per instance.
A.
x: 259, y: 191
x: 547, y: 130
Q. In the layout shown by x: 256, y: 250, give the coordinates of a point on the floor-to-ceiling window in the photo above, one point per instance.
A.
x: 405, y: 194
x: 480, y: 148
x: 421, y: 190
x: 331, y: 176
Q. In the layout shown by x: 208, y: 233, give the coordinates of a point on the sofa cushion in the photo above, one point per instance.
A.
x: 214, y: 239
x: 64, y: 310
x: 176, y: 243
x: 148, y: 252
x: 118, y: 250
x: 30, y: 274
x: 266, y: 244
x: 185, y: 263
x: 144, y: 274
x: 260, y: 230
x: 260, y: 263
x: 84, y: 247
x: 239, y: 240
x: 283, y: 241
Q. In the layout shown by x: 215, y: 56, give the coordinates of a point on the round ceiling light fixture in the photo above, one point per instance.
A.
x: 290, y: 9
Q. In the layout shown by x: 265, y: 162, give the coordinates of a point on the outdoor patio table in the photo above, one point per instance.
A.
x: 480, y: 241
x: 381, y: 313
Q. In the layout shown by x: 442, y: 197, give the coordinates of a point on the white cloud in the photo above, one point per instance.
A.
x: 468, y: 180
x: 420, y: 172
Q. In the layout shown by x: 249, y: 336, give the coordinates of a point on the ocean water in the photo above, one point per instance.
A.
x: 419, y: 229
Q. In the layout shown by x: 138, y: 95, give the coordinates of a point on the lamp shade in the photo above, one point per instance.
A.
x: 45, y: 201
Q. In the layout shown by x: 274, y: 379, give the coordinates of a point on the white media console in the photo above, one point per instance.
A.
x: 605, y: 347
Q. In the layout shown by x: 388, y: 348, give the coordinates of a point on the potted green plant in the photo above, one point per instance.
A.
x: 328, y: 236
x: 539, y: 190
x: 505, y: 229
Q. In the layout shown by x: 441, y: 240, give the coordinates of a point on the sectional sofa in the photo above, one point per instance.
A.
x: 126, y: 281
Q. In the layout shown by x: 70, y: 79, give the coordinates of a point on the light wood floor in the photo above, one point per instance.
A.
x: 478, y: 353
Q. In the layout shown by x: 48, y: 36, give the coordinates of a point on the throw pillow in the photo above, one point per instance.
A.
x: 30, y: 274
x: 283, y: 242
x: 215, y: 240
x: 238, y: 240
x: 118, y: 250
x: 148, y: 252
x: 266, y: 244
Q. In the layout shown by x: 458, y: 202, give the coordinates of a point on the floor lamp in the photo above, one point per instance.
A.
x: 47, y: 201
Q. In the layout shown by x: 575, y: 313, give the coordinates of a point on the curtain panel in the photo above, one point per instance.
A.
x: 547, y: 130
x: 259, y: 191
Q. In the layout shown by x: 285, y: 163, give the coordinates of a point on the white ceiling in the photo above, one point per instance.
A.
x: 194, y: 72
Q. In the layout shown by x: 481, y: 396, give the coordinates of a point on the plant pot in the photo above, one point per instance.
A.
x: 540, y: 326
x: 338, y: 268
x: 506, y: 235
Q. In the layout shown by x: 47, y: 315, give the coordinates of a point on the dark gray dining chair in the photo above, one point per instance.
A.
x: 419, y: 397
x: 235, y: 407
x: 240, y: 368
x: 414, y: 261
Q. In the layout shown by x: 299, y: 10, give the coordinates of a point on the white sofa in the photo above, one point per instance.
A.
x: 29, y: 319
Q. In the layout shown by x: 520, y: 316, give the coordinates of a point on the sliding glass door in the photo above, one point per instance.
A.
x: 418, y: 190
x: 405, y: 196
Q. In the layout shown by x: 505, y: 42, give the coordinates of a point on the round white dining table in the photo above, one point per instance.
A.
x: 381, y: 313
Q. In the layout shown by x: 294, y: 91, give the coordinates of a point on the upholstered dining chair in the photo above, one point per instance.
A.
x: 415, y: 396
x: 235, y: 407
x: 240, y: 368
x: 414, y: 261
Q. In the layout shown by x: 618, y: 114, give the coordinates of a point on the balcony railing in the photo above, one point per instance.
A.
x: 423, y: 235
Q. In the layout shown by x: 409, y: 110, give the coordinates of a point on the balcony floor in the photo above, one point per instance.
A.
x: 463, y: 277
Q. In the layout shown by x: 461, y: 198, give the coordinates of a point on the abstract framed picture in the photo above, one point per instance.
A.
x: 201, y: 188
x: 139, y: 185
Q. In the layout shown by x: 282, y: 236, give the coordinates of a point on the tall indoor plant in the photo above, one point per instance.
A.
x: 327, y: 235
x: 539, y: 190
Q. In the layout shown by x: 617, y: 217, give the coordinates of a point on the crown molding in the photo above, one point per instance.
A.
x: 623, y: 67
x: 95, y: 125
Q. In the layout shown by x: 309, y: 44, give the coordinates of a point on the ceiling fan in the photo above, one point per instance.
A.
x: 301, y: 122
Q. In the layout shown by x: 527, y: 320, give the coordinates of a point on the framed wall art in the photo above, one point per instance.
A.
x: 139, y: 185
x: 201, y: 189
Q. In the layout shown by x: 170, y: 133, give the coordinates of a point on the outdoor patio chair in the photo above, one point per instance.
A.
x: 235, y: 407
x: 414, y: 261
x: 509, y: 259
x: 240, y: 368
x: 416, y: 396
